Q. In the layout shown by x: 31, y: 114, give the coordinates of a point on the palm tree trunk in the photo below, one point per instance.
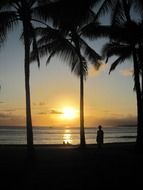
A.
x: 82, y: 133
x: 27, y: 87
x: 139, y: 140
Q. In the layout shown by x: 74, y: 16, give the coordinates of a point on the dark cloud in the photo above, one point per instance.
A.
x: 10, y: 110
x: 119, y: 121
x: 39, y: 104
x: 42, y: 103
x: 55, y: 112
x: 5, y: 116
x: 42, y: 113
x: 50, y: 112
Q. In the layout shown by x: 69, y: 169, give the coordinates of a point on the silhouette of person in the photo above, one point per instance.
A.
x: 100, y: 136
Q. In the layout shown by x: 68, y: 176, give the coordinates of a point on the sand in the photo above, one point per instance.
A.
x: 116, y: 165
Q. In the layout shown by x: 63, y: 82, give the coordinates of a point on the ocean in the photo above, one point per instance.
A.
x: 58, y: 135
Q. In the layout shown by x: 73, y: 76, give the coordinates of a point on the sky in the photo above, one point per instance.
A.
x: 109, y: 99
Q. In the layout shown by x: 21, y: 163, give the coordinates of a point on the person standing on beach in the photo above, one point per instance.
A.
x: 100, y: 136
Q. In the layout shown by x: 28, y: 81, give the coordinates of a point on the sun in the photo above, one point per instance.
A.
x: 69, y: 113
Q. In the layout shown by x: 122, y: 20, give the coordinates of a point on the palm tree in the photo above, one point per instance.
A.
x: 126, y: 42
x: 71, y: 17
x: 138, y: 6
x: 12, y: 12
x: 72, y: 48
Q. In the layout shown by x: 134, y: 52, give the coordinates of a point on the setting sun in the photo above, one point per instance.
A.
x: 69, y: 113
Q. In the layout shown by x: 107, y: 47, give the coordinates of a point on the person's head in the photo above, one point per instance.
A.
x: 99, y: 127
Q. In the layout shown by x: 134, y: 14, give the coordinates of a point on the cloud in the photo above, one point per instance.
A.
x: 10, y: 110
x: 115, y: 120
x: 42, y: 103
x: 55, y: 112
x: 93, y: 72
x: 113, y: 114
x: 1, y: 102
x: 126, y: 72
x: 5, y: 116
x: 120, y: 121
x: 42, y: 113
x: 39, y: 104
x: 10, y: 119
x: 50, y: 112
x: 107, y: 117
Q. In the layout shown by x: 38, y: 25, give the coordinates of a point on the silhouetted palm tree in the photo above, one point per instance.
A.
x: 126, y: 42
x: 70, y: 17
x: 138, y: 7
x: 72, y: 48
x: 12, y: 12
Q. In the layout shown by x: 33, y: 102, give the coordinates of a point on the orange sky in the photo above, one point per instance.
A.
x: 109, y: 99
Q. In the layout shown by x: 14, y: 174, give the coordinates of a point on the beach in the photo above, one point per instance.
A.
x: 69, y: 167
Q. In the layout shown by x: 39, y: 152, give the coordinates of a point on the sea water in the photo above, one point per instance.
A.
x: 59, y: 135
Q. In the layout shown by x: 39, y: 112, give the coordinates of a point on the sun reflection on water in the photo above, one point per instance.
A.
x: 67, y: 139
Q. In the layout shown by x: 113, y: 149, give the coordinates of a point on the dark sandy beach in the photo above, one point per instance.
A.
x: 69, y: 167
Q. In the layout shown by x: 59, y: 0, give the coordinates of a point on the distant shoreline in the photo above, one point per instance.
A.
x: 61, y: 127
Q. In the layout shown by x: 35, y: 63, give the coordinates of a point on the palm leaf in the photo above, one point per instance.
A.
x: 115, y: 48
x: 115, y: 63
x: 77, y: 69
x: 106, y: 6
x: 65, y: 13
x: 35, y: 47
x: 90, y: 54
x: 62, y: 48
x: 138, y: 7
x: 123, y: 51
x: 118, y: 15
x: 48, y: 34
x: 8, y: 21
x: 94, y: 31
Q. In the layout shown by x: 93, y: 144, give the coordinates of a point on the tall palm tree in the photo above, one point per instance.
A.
x: 70, y: 17
x: 126, y: 42
x: 125, y: 33
x: 11, y: 13
x: 138, y: 6
x: 72, y: 48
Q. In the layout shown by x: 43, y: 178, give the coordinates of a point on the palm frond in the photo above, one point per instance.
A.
x: 35, y: 47
x: 94, y: 31
x: 65, y: 13
x: 42, y: 50
x: 62, y: 48
x: 117, y: 49
x: 77, y: 69
x: 115, y: 63
x: 106, y: 6
x: 8, y: 21
x: 48, y: 34
x: 50, y: 57
x: 118, y: 14
x: 90, y: 54
x: 66, y: 51
x: 138, y: 6
x: 123, y: 51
